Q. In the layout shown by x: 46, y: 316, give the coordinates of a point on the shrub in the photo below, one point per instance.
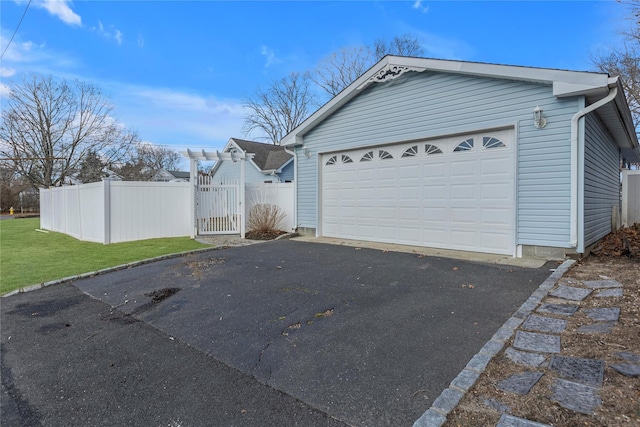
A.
x: 265, y: 218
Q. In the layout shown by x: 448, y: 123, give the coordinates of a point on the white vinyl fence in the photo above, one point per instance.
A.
x: 117, y: 211
x: 280, y: 194
x: 121, y: 211
x: 630, y: 197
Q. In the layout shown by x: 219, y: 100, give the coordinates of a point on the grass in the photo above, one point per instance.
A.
x: 28, y: 257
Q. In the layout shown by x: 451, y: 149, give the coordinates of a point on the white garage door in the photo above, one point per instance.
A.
x: 454, y: 193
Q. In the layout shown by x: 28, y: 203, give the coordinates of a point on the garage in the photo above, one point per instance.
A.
x: 456, y: 192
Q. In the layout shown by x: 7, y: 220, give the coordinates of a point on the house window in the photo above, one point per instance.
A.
x: 432, y: 149
x: 411, y: 151
x: 491, y: 142
x: 346, y: 159
x: 332, y: 160
x: 465, y: 145
x: 367, y: 157
x: 384, y: 155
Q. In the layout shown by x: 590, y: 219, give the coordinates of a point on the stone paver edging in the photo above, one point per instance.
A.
x: 450, y: 397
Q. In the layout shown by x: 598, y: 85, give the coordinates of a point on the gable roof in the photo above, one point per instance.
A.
x: 594, y: 86
x: 267, y: 157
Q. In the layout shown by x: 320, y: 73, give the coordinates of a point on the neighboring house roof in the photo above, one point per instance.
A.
x: 180, y: 174
x: 594, y: 86
x: 165, y: 175
x: 267, y: 157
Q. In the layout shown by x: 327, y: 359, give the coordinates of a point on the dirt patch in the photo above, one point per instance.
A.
x: 620, y: 395
x: 162, y: 294
x: 264, y: 235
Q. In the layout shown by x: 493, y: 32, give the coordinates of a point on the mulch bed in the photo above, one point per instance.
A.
x: 625, y: 242
x: 264, y: 235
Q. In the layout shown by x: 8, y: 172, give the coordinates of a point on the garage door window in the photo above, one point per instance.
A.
x: 346, y: 159
x: 332, y: 160
x: 367, y: 157
x: 384, y: 155
x: 432, y: 149
x: 491, y: 142
x: 465, y: 145
x: 410, y: 152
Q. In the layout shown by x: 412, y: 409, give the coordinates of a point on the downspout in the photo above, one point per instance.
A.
x: 295, y: 186
x: 573, y: 236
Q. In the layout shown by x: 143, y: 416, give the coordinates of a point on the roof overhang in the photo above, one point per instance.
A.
x: 565, y: 83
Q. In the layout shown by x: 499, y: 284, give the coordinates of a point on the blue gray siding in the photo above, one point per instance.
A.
x: 601, y: 180
x: 287, y: 172
x: 231, y: 170
x: 428, y: 104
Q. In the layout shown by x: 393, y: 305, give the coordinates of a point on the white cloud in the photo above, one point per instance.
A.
x: 178, y: 119
x: 140, y: 40
x: 109, y: 33
x: 7, y: 72
x: 270, y: 56
x: 24, y: 57
x: 60, y: 9
x: 4, y: 91
x: 418, y: 6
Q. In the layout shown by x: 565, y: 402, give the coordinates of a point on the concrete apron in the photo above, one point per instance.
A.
x: 432, y: 252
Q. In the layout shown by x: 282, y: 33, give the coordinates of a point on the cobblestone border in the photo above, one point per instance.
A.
x: 107, y: 270
x: 436, y: 416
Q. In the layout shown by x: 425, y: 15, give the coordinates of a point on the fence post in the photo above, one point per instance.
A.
x: 106, y: 190
x: 241, y: 200
x: 79, y: 210
x: 194, y: 180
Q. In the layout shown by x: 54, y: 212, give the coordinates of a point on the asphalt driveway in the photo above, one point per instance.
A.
x: 330, y: 333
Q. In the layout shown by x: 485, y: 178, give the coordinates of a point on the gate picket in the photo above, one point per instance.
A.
x: 217, y: 206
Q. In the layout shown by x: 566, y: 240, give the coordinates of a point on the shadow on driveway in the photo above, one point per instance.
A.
x: 369, y: 337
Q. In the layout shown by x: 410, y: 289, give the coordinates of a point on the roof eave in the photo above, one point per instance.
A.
x: 565, y: 83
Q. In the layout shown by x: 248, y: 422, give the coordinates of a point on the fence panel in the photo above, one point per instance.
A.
x: 91, y: 211
x: 113, y: 211
x: 630, y: 197
x: 147, y: 210
x: 278, y: 193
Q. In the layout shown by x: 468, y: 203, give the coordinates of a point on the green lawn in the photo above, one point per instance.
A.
x: 28, y: 257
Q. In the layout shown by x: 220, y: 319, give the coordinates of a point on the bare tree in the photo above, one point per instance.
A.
x: 339, y: 69
x: 281, y: 108
x: 158, y: 157
x: 49, y: 126
x: 404, y: 45
x: 625, y: 62
x: 145, y: 159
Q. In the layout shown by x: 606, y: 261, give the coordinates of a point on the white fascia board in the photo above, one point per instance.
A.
x: 513, y: 72
x: 566, y: 89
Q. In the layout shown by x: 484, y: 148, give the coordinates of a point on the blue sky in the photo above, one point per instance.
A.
x: 177, y: 71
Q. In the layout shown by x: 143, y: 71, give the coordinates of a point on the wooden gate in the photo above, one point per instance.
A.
x: 218, y: 206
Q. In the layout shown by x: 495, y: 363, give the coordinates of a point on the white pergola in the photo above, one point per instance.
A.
x: 194, y: 157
